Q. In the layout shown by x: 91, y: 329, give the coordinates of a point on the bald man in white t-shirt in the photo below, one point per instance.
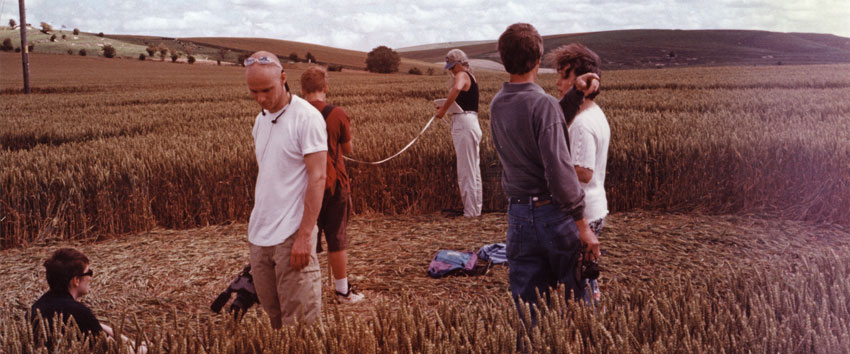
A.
x: 291, y: 148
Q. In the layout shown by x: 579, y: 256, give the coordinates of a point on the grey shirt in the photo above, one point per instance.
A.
x: 530, y: 135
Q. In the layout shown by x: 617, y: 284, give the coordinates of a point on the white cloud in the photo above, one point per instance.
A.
x: 365, y: 24
x: 147, y: 23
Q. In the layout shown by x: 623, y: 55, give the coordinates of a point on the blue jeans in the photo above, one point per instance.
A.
x: 543, y: 248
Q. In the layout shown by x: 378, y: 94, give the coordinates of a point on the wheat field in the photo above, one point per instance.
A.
x: 112, y: 150
x: 115, y: 146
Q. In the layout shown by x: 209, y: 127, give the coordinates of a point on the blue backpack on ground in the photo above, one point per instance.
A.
x: 448, y: 262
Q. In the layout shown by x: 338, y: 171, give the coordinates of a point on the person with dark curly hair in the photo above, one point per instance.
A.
x: 589, y: 135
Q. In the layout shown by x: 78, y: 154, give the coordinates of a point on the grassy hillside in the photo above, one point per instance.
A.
x: 184, y: 46
x: 446, y: 45
x: 210, y: 46
x: 92, y: 43
x: 625, y: 49
x: 282, y: 48
x: 206, y: 48
x: 664, y: 48
x: 347, y: 58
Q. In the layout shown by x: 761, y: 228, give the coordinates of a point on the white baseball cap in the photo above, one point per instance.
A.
x: 455, y: 56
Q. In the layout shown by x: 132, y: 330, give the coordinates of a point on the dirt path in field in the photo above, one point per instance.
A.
x: 157, y: 274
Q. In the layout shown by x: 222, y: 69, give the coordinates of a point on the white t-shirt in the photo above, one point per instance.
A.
x: 589, y: 139
x: 282, y: 176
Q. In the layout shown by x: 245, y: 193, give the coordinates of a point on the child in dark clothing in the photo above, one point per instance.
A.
x: 69, y: 278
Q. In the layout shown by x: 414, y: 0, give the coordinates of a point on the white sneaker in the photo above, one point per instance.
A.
x: 352, y: 297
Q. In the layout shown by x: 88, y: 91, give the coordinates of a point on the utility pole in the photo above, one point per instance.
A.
x: 24, y: 47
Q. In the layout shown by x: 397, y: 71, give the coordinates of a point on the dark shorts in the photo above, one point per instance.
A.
x: 333, y: 220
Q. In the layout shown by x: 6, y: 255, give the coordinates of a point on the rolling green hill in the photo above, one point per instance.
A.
x: 664, y: 48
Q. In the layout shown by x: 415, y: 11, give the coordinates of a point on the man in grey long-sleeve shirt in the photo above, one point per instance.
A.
x: 545, y: 224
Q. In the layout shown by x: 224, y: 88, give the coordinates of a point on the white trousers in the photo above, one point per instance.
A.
x: 466, y: 134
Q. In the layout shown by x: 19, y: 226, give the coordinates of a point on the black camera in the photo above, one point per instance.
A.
x: 590, y: 270
x: 246, y: 296
x: 588, y: 267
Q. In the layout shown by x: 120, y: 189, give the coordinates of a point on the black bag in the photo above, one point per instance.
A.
x: 246, y: 296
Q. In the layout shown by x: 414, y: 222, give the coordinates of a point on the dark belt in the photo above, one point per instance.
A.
x: 537, y: 200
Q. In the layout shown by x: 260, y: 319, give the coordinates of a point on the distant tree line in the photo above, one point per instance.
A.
x: 308, y: 58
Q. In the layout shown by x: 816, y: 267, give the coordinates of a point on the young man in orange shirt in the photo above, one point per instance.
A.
x: 336, y: 204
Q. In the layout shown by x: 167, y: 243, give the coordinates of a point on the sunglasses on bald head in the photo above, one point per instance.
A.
x: 261, y: 61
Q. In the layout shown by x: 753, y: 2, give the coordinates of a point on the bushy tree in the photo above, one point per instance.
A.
x: 30, y: 47
x: 12, y: 23
x: 83, y: 52
x: 310, y: 58
x: 293, y: 57
x: 174, y: 57
x: 46, y: 27
x: 142, y: 57
x: 76, y: 31
x: 382, y: 60
x: 53, y: 38
x: 70, y: 52
x: 414, y: 71
x: 188, y: 48
x: 430, y: 71
x: 7, y: 45
x: 151, y: 50
x: 332, y: 67
x: 64, y: 37
x: 100, y: 34
x: 163, y: 50
x: 191, y: 59
x: 108, y: 51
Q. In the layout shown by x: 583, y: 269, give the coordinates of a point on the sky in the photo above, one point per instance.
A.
x: 366, y: 24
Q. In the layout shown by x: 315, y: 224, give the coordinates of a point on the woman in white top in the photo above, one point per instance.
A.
x: 589, y: 134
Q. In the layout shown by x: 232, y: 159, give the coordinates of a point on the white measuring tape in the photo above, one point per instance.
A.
x: 398, y: 153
